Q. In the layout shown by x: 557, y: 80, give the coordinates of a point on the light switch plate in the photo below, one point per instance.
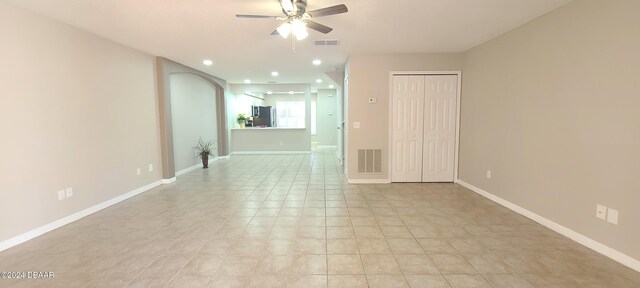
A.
x: 601, y: 212
x: 69, y: 192
x: 488, y: 174
x: 61, y: 195
x: 138, y: 171
x: 150, y: 167
x: 373, y: 100
x: 356, y: 125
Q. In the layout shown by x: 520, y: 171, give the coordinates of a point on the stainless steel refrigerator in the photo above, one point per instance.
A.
x: 266, y: 115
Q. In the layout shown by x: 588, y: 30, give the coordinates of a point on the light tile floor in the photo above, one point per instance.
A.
x: 292, y: 221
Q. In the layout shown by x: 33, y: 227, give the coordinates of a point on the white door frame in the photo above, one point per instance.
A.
x: 457, y: 140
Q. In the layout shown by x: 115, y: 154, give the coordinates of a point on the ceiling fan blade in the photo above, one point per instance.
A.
x: 319, y: 27
x: 329, y: 11
x: 255, y: 16
x: 286, y: 5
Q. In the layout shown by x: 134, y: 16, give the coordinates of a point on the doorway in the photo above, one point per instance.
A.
x: 424, y: 127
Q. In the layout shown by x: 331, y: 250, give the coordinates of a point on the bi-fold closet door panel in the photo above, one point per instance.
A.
x: 440, y: 115
x: 424, y: 128
x: 408, y: 105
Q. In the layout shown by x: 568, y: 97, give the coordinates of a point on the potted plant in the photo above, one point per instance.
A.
x: 204, y: 151
x: 242, y: 119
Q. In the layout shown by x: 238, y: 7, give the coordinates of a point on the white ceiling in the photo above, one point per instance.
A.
x: 188, y: 31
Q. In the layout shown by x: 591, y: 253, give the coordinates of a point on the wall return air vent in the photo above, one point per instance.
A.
x: 326, y: 42
x: 369, y: 160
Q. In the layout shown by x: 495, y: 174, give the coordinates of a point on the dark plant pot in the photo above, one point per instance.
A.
x: 205, y: 161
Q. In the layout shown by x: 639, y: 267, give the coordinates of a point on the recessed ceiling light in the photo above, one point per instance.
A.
x: 269, y: 92
x: 275, y: 73
x: 317, y: 62
x: 247, y: 81
x: 290, y: 92
x: 318, y: 80
x: 331, y: 86
x: 207, y: 62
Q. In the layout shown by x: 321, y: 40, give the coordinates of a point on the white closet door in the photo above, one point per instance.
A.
x: 439, y: 128
x: 408, y: 101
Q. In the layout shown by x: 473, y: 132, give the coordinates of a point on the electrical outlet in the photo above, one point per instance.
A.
x: 488, y: 174
x: 601, y: 212
x: 356, y: 125
x: 61, y: 195
x: 69, y: 192
x: 138, y: 171
x: 612, y: 216
x: 150, y: 167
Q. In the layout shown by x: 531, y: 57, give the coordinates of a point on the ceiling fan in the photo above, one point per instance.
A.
x: 297, y: 18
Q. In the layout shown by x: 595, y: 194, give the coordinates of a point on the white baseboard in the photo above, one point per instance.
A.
x: 368, y: 181
x: 168, y: 181
x: 187, y: 170
x: 24, y: 237
x: 269, y: 152
x: 194, y: 167
x: 573, y: 235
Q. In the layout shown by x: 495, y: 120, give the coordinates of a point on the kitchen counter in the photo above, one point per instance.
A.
x: 267, y: 128
x: 270, y: 139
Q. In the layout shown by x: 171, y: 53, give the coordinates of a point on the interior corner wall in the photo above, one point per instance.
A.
x: 369, y: 77
x: 77, y: 111
x: 194, y: 115
x: 552, y: 109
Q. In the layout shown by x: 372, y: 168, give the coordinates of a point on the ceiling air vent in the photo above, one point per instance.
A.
x: 327, y: 42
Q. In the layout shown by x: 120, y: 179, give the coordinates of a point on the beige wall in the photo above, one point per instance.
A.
x: 76, y: 111
x: 369, y: 77
x: 193, y: 113
x: 553, y: 109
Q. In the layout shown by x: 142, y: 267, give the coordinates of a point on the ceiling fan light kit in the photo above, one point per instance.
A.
x: 297, y: 19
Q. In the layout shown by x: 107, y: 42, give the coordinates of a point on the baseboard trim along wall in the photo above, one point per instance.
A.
x: 194, y: 167
x: 573, y: 235
x: 269, y: 152
x: 24, y: 237
x: 368, y: 181
x: 168, y: 181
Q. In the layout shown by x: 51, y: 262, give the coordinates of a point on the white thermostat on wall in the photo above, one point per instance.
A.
x: 372, y: 100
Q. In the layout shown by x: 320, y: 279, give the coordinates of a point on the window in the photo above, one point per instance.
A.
x: 290, y: 114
